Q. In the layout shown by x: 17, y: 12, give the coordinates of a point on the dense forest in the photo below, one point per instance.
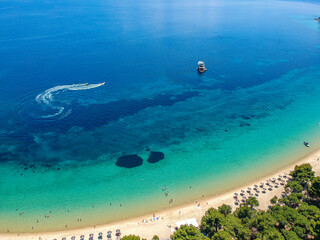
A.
x: 294, y: 216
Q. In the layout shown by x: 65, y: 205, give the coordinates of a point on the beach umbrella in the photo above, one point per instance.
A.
x: 255, y: 185
x: 274, y: 179
x: 91, y: 235
x: 251, y: 194
x: 236, y: 194
x: 235, y: 197
x: 73, y: 238
x: 242, y: 191
x: 249, y: 188
x: 82, y: 237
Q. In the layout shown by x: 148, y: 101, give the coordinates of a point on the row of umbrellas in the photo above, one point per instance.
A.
x: 100, y: 236
x: 271, y: 183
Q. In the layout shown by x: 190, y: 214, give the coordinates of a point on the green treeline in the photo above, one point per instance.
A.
x: 295, y: 216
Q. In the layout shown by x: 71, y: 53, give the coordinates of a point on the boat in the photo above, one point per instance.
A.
x: 318, y: 19
x: 201, y: 68
x: 306, y: 144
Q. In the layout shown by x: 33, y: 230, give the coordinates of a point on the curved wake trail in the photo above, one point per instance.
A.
x: 46, y: 98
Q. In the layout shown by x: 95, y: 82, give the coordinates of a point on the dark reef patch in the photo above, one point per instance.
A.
x: 244, y: 124
x: 129, y: 161
x: 155, y: 157
x: 245, y: 117
x: 97, y: 115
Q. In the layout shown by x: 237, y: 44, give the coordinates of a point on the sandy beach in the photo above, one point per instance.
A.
x: 166, y: 220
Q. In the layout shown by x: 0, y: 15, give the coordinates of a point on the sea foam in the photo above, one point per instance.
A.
x: 46, y: 97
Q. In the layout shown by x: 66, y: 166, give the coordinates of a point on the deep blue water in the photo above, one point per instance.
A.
x: 146, y: 52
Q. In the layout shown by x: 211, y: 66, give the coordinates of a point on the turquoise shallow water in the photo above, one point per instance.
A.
x: 246, y: 117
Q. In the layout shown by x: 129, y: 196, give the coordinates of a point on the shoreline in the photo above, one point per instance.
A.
x: 170, y: 216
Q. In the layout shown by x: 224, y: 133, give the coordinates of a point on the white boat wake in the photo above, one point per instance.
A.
x: 46, y: 98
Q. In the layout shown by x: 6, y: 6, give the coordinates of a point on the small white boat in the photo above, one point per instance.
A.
x: 306, y: 144
x: 201, y: 68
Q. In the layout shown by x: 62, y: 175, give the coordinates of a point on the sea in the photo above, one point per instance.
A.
x: 104, y: 117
